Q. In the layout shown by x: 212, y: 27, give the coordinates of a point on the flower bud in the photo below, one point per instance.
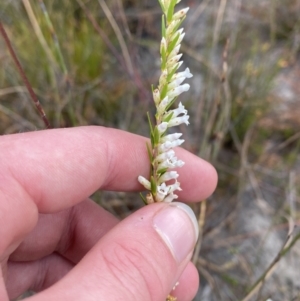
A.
x: 144, y: 182
x: 180, y: 14
x: 156, y: 96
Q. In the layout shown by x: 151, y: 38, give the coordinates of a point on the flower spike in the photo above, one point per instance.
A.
x: 163, y: 179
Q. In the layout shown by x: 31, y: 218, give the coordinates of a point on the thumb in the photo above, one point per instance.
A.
x: 139, y: 259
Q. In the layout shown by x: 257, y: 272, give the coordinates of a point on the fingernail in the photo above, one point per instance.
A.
x: 178, y: 227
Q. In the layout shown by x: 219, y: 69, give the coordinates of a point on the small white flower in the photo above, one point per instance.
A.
x: 168, y: 145
x: 170, y: 198
x: 178, y: 90
x: 165, y: 146
x: 186, y: 74
x: 179, y: 120
x: 144, y: 182
x: 170, y: 163
x: 175, y: 83
x: 171, y: 137
x: 164, y: 156
x: 162, y: 127
x: 175, y: 186
x: 162, y: 191
x: 169, y: 175
x: 178, y: 111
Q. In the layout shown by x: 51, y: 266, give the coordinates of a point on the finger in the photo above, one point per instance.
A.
x: 41, y: 274
x: 187, y: 285
x: 35, y: 275
x: 71, y: 233
x: 141, y: 258
x: 59, y: 168
x: 52, y: 170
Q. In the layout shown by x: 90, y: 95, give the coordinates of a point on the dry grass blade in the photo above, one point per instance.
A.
x: 201, y: 223
x: 12, y: 90
x: 18, y: 119
x: 38, y: 32
x: 119, y: 35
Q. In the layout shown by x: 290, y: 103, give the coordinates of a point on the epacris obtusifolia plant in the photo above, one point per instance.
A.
x: 163, y: 180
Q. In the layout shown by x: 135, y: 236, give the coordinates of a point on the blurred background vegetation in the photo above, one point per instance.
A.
x: 92, y: 62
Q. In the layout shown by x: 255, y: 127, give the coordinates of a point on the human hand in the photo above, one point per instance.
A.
x: 56, y: 241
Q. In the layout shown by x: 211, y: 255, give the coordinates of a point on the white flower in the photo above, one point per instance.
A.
x: 162, y: 127
x: 168, y: 145
x: 179, y: 120
x: 162, y: 192
x: 170, y: 163
x: 178, y: 90
x: 170, y: 198
x: 175, y: 83
x: 178, y: 111
x: 164, y: 156
x: 169, y: 175
x: 186, y: 74
x: 175, y: 186
x: 171, y: 137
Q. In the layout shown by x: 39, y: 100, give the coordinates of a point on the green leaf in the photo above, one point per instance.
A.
x: 170, y: 12
x: 149, y: 152
x: 170, y: 104
x: 150, y: 123
x: 164, y: 91
x: 170, y: 74
x: 163, y: 26
x: 168, y: 117
x: 152, y: 140
x: 172, y: 45
x: 177, y: 26
x: 153, y: 186
x: 156, y: 136
x: 143, y: 198
x: 163, y: 59
x: 162, y: 171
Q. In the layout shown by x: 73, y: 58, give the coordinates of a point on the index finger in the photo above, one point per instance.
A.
x: 61, y: 167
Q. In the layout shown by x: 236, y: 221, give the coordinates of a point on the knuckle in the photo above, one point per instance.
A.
x: 134, y: 270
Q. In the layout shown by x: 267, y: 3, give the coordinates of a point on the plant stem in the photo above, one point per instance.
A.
x: 24, y: 77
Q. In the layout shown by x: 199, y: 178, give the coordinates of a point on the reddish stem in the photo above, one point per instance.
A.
x: 24, y: 77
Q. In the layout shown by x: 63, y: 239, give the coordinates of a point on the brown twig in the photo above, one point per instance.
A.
x: 24, y: 77
x: 268, y: 272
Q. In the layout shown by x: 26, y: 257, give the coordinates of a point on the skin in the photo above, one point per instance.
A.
x: 56, y: 241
